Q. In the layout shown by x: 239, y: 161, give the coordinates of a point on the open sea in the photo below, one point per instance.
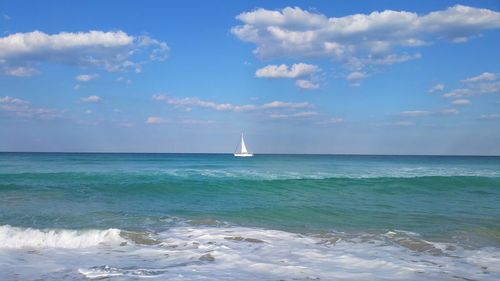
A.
x: 71, y: 216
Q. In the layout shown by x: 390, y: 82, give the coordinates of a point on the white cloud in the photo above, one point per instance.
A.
x: 475, y: 89
x: 293, y: 32
x: 88, y: 111
x: 282, y: 104
x: 196, y: 122
x: 306, y: 84
x: 24, y: 109
x: 437, y: 88
x: 86, y: 77
x: 156, y: 120
x: 490, y: 116
x: 423, y: 113
x: 449, y: 111
x: 21, y: 71
x: 190, y: 102
x: 295, y: 71
x: 485, y: 76
x: 366, y: 39
x: 112, y: 51
x: 393, y: 58
x: 11, y: 100
x: 332, y: 120
x: 355, y: 76
x: 297, y: 115
x: 305, y: 114
x: 457, y: 93
x: 461, y: 102
x: 91, y: 99
x: 282, y: 71
x: 415, y: 113
x: 362, y: 64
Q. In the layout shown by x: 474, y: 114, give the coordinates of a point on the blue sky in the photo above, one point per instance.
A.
x: 384, y: 77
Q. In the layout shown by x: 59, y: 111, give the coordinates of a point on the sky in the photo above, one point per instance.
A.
x: 331, y: 77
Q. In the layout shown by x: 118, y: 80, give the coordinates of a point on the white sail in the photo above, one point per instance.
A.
x: 243, y: 152
x: 243, y: 148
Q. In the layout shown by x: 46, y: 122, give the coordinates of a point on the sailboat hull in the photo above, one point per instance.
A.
x: 243, y: 154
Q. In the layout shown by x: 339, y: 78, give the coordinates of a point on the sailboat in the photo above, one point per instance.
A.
x: 243, y: 152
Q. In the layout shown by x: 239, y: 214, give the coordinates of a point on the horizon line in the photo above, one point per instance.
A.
x: 230, y: 153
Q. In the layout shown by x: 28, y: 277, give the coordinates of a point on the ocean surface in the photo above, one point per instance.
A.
x: 270, y: 217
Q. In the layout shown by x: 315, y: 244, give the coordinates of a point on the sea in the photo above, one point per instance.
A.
x: 86, y: 216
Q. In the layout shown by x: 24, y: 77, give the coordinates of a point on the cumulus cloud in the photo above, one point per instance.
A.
x: 293, y: 32
x: 24, y: 109
x: 295, y: 71
x: 282, y: 71
x: 306, y: 84
x: 86, y: 77
x: 358, y: 39
x: 112, y: 50
x: 91, y: 99
x: 436, y: 88
x: 156, y: 120
x: 189, y: 102
x: 461, y: 102
x: 485, y: 76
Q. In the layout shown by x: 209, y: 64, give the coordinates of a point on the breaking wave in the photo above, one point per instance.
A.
x: 201, y: 252
x: 16, y: 238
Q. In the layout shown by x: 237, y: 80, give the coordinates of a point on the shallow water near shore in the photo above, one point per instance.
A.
x: 271, y: 217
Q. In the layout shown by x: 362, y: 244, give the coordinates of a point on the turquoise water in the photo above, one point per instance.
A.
x: 270, y: 217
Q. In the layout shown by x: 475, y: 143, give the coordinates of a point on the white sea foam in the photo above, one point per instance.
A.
x: 15, y: 237
x: 368, y: 172
x: 196, y: 252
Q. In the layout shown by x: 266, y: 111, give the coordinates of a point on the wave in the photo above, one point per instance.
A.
x: 185, y: 175
x: 201, y: 252
x: 16, y: 238
x: 144, y: 185
x: 241, y: 253
x: 253, y: 173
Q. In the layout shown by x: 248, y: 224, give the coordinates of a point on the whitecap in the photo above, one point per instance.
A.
x: 16, y: 237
